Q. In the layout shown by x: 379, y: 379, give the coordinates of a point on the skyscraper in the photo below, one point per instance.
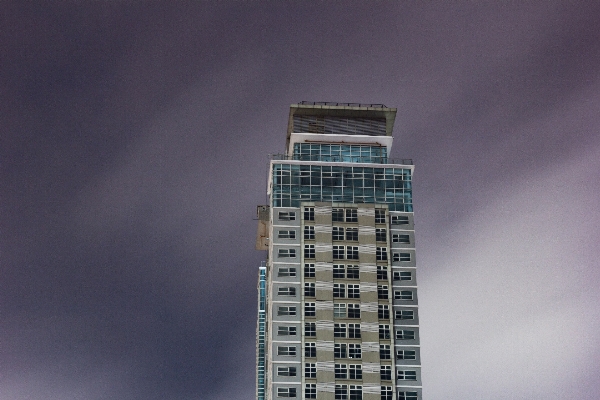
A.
x: 338, y: 316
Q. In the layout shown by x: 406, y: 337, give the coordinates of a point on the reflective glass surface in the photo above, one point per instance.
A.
x: 340, y: 153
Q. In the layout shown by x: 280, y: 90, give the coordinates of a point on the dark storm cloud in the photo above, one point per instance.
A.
x: 134, y: 148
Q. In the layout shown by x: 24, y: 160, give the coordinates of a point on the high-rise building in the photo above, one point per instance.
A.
x: 338, y: 315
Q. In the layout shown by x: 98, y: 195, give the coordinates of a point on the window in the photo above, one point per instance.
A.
x: 382, y: 272
x: 401, y: 256
x: 406, y: 355
x: 309, y: 213
x: 310, y: 329
x: 352, y: 252
x: 310, y: 370
x: 310, y: 349
x: 355, y: 371
x: 309, y: 309
x: 337, y: 215
x: 287, y: 215
x: 384, y: 352
x: 381, y: 254
x: 379, y: 216
x: 355, y: 392
x: 286, y: 291
x: 337, y: 233
x: 401, y: 238
x: 354, y: 331
x: 309, y: 289
x: 284, y: 272
x: 286, y: 331
x: 309, y: 270
x: 408, y: 396
x: 403, y: 295
x: 380, y: 235
x: 309, y: 251
x: 286, y: 350
x: 341, y: 392
x: 339, y: 330
x: 286, y: 310
x: 338, y: 252
x: 338, y: 271
x: 352, y: 234
x: 286, y: 371
x: 354, y: 351
x: 341, y: 371
x: 309, y: 232
x: 286, y: 392
x: 382, y: 292
x: 383, y: 311
x: 353, y: 291
x: 386, y: 393
x: 405, y: 335
x: 351, y: 215
x: 289, y: 253
x: 310, y: 391
x: 405, y: 314
x: 339, y: 350
x: 339, y: 310
x: 339, y: 290
x: 402, y: 276
x: 385, y: 372
x: 353, y: 310
x: 407, y: 375
x: 399, y: 219
x: 384, y: 332
x: 286, y: 234
x: 352, y: 272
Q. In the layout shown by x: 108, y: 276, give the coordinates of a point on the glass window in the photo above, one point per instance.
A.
x: 352, y: 272
x: 309, y: 213
x: 400, y: 238
x: 337, y: 215
x: 400, y: 220
x: 384, y: 332
x: 382, y: 292
x: 354, y: 350
x: 341, y: 392
x: 407, y: 375
x: 380, y: 235
x: 286, y: 310
x: 309, y: 251
x: 286, y: 331
x: 340, y: 350
x: 403, y: 295
x: 286, y: 272
x: 352, y: 234
x: 310, y: 329
x: 309, y: 270
x: 354, y: 331
x: 341, y: 371
x: 401, y: 256
x: 403, y: 276
x: 309, y: 232
x: 286, y: 234
x: 405, y: 335
x: 355, y: 392
x: 379, y: 216
x: 387, y: 393
x: 386, y: 372
x: 406, y: 355
x: 351, y: 215
x: 309, y: 309
x: 339, y: 330
x: 384, y: 352
x: 339, y: 310
x: 353, y: 291
x: 405, y: 314
x: 382, y: 272
x: 353, y: 310
x: 286, y: 291
x: 338, y: 252
x: 309, y: 289
x: 310, y: 370
x: 383, y: 311
x: 337, y: 233
x: 310, y: 349
x: 286, y: 350
x: 339, y: 290
x: 286, y: 371
x: 352, y: 252
x: 339, y: 271
x: 286, y: 392
x: 355, y: 371
x: 287, y: 215
x: 381, y: 254
x: 310, y: 391
x: 283, y: 253
x: 408, y: 396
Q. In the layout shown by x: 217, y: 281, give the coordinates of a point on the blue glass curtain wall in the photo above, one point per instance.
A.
x: 340, y: 153
x: 293, y: 184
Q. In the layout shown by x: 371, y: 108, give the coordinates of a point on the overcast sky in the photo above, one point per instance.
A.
x: 134, y: 149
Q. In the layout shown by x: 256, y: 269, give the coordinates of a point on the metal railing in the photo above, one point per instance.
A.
x: 333, y: 103
x: 344, y: 159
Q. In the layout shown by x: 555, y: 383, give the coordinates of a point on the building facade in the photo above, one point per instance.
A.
x: 338, y: 311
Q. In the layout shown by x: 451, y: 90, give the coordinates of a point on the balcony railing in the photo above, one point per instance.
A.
x: 332, y: 103
x: 344, y: 159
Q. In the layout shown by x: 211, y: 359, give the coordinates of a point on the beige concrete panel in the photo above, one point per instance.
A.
x: 370, y: 356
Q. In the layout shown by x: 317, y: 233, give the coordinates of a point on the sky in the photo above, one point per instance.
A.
x: 134, y: 147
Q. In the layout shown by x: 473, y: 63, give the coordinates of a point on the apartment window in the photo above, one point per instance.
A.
x: 354, y: 331
x: 337, y: 215
x: 402, y: 276
x: 309, y: 232
x: 352, y: 272
x: 286, y: 331
x: 339, y: 290
x: 341, y: 371
x: 384, y: 352
x: 406, y: 355
x: 382, y: 272
x: 286, y: 272
x: 286, y: 291
x: 352, y: 252
x: 401, y: 256
x: 403, y: 295
x: 355, y: 392
x: 310, y: 329
x: 353, y: 291
x: 408, y: 396
x: 309, y: 270
x: 379, y: 216
x: 352, y: 234
x: 401, y: 238
x: 310, y: 391
x: 286, y: 253
x: 381, y: 254
x: 383, y: 311
x: 338, y: 252
x: 405, y: 314
x: 309, y: 251
x: 339, y: 330
x: 310, y: 370
x: 310, y: 349
x: 309, y: 309
x: 339, y: 310
x: 340, y: 350
x: 385, y: 372
x: 286, y: 392
x: 353, y: 310
x: 287, y: 215
x: 339, y: 271
x: 384, y: 332
x: 380, y: 235
x: 351, y: 215
x: 286, y: 310
x: 355, y: 371
x: 337, y: 233
x: 407, y: 375
x: 405, y: 335
x: 286, y: 371
x: 309, y: 213
x: 382, y: 292
x: 399, y: 219
x: 354, y: 351
x: 387, y: 393
x: 309, y: 289
x: 286, y: 234
x: 341, y: 392
x: 286, y: 350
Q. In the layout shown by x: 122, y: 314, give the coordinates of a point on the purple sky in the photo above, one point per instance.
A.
x: 134, y: 151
